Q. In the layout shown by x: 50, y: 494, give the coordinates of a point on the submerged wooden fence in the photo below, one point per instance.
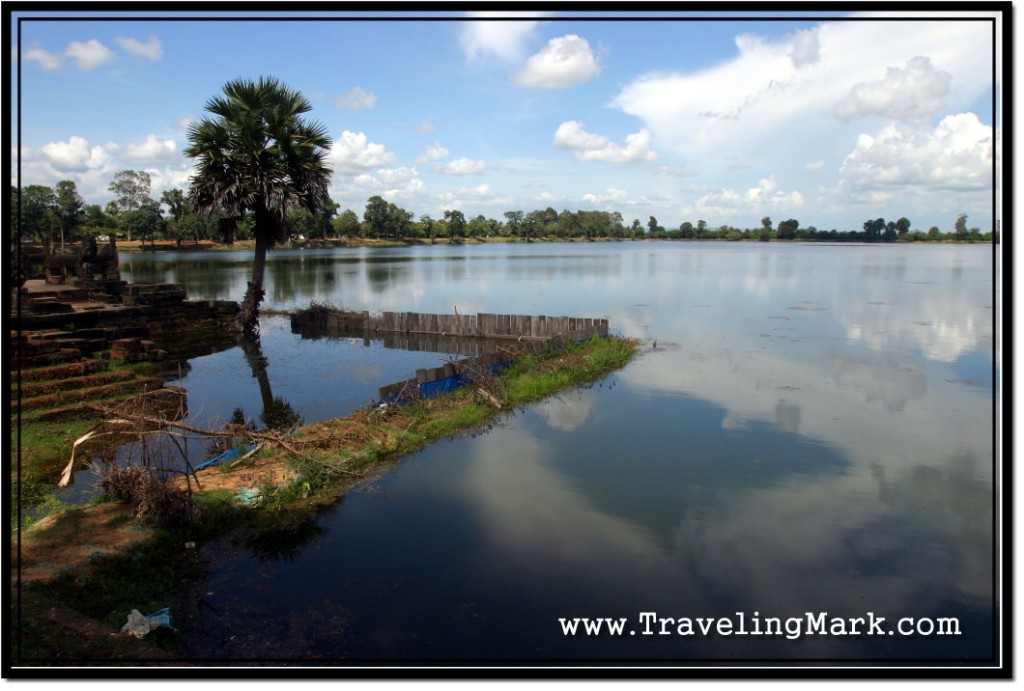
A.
x: 487, y: 326
x: 484, y: 337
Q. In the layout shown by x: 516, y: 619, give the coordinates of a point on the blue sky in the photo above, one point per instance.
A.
x: 827, y: 120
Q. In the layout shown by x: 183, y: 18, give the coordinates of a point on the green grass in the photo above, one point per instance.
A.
x: 526, y: 382
x: 45, y: 448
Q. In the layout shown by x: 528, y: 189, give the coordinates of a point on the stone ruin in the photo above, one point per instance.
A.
x: 94, y: 268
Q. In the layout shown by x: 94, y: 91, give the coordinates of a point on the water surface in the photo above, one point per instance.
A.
x: 809, y: 429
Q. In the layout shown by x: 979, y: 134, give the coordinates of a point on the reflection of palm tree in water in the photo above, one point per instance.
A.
x: 278, y: 414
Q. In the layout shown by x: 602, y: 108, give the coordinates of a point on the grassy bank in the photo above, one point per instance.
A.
x: 98, y: 560
x: 40, y: 447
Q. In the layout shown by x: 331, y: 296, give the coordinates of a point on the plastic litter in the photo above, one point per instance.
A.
x: 160, y: 619
x: 139, y: 625
x: 248, y: 496
x: 227, y: 455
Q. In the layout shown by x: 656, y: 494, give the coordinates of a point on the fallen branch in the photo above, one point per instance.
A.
x: 264, y: 438
x: 66, y: 475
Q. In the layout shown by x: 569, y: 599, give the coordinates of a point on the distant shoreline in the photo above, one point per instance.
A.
x: 331, y: 243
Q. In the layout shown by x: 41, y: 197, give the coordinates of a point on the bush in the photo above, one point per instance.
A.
x: 154, y: 502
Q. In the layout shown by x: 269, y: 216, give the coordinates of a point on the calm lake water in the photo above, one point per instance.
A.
x: 812, y: 433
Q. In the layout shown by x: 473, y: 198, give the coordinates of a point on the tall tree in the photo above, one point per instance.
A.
x: 873, y: 229
x: 96, y: 218
x: 788, y: 228
x: 347, y: 223
x: 38, y: 213
x: 960, y: 227
x: 376, y: 215
x: 514, y: 221
x: 532, y: 225
x: 456, y: 224
x: 70, y: 209
x: 427, y: 226
x: 256, y: 155
x: 131, y: 187
x: 176, y: 203
x: 398, y: 221
x: 145, y: 221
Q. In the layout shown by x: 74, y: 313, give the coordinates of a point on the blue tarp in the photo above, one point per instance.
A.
x: 227, y: 455
x: 446, y: 385
x: 433, y: 389
x: 440, y: 387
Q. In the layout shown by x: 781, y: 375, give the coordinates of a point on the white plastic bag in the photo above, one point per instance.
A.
x: 138, y: 625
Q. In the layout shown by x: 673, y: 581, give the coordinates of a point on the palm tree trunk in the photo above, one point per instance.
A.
x: 249, y: 315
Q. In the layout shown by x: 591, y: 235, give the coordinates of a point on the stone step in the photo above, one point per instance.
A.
x: 58, y: 386
x: 72, y: 369
x: 171, y: 400
x: 44, y: 359
x: 64, y: 398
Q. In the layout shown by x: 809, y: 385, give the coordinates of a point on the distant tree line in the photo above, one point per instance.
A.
x: 59, y: 215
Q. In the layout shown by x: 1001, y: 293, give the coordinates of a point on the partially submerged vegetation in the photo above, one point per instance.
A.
x: 44, y: 435
x: 126, y: 552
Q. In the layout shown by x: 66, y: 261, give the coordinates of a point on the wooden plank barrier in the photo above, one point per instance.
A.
x: 483, y: 325
x: 478, y: 337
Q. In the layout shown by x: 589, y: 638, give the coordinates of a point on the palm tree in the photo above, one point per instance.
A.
x: 257, y: 156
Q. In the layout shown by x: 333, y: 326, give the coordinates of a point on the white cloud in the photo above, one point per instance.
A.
x: 917, y: 91
x: 814, y: 166
x: 47, y: 60
x: 571, y: 135
x: 479, y: 192
x: 806, y: 48
x: 595, y: 147
x: 424, y: 128
x: 611, y: 195
x: 463, y: 166
x: 74, y: 155
x: 505, y: 40
x: 169, y: 178
x: 761, y: 198
x: 565, y: 61
x: 956, y: 154
x: 773, y: 92
x: 434, y: 152
x: 354, y: 152
x: 357, y: 99
x: 92, y: 167
x: 397, y: 176
x: 390, y: 183
x: 89, y: 55
x: 150, y: 151
x: 474, y: 200
x: 151, y: 49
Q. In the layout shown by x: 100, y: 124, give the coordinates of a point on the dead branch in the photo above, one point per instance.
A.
x: 266, y: 438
